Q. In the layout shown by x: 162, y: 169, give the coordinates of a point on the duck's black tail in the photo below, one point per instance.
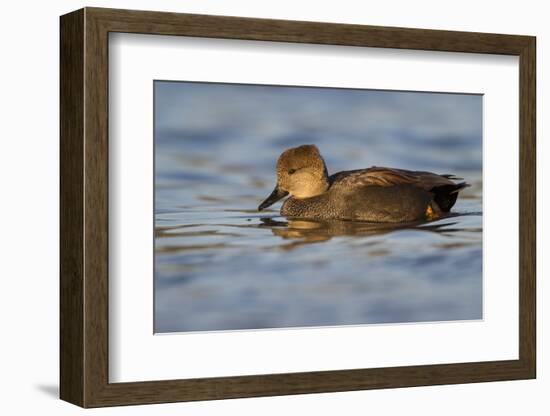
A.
x: 445, y: 195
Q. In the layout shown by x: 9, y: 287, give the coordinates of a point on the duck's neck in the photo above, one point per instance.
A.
x: 312, y: 188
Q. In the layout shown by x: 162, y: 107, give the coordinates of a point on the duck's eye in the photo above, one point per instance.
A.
x: 291, y: 171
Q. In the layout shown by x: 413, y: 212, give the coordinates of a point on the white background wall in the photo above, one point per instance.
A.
x: 29, y: 85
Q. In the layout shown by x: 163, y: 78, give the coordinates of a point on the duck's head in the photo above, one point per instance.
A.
x: 301, y: 173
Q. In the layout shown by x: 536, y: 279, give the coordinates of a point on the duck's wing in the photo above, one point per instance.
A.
x: 381, y: 176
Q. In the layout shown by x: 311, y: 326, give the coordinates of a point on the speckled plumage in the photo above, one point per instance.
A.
x: 375, y: 194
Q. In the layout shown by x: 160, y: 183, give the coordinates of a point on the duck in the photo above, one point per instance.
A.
x: 375, y: 194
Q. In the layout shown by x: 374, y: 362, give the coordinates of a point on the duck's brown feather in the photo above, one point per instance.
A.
x: 381, y: 176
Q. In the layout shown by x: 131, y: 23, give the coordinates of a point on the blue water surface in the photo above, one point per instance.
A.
x: 221, y: 265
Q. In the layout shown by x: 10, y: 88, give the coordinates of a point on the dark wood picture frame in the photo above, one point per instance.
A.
x: 84, y: 207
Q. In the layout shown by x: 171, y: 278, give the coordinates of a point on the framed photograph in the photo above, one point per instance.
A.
x: 255, y: 207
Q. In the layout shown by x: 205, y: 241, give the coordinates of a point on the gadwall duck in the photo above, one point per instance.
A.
x: 374, y: 194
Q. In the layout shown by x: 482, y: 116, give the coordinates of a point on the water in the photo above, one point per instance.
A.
x: 222, y: 265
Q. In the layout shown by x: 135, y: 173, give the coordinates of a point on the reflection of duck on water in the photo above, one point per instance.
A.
x: 315, y: 231
x: 375, y: 194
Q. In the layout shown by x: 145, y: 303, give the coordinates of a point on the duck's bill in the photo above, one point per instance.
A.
x: 275, y: 196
